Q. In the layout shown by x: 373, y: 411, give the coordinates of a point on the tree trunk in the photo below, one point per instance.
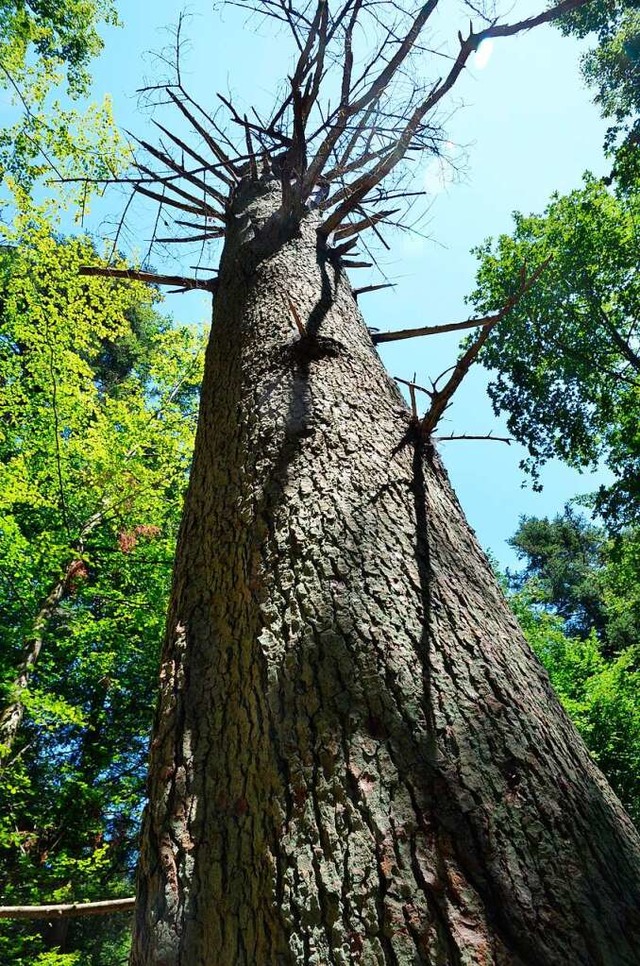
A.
x: 356, y: 757
x: 12, y: 715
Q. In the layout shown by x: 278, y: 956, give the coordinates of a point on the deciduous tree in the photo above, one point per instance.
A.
x: 577, y: 601
x: 97, y: 402
x: 565, y: 366
x: 45, y: 52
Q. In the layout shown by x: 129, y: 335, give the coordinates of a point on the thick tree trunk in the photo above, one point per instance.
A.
x: 356, y: 757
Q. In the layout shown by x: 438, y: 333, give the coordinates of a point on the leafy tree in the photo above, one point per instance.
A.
x: 566, y: 364
x: 577, y: 601
x: 97, y: 400
x: 564, y: 560
x: 612, y: 67
x: 46, y: 49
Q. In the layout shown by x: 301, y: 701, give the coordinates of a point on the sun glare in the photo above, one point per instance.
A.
x: 483, y: 54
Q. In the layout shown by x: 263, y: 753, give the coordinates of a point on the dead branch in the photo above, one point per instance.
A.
x: 348, y: 246
x: 171, y: 202
x: 352, y: 229
x: 105, y: 907
x: 496, y: 439
x: 441, y: 398
x: 178, y: 168
x: 170, y: 185
x: 412, y: 384
x: 399, y: 334
x: 372, y: 288
x: 381, y: 115
x: 363, y: 185
x: 210, y: 141
x: 135, y: 276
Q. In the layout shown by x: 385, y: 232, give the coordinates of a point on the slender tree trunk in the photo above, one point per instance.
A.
x: 12, y: 715
x: 356, y: 757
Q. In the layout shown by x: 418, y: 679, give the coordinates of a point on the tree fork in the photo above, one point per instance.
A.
x: 356, y: 757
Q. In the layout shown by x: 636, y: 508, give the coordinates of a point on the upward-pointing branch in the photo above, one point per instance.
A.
x: 361, y: 187
x: 440, y: 399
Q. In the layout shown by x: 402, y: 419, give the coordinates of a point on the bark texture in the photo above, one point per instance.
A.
x: 356, y: 757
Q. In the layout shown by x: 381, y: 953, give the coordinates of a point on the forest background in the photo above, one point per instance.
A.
x: 99, y: 398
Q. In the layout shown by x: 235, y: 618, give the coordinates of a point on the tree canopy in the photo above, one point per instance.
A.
x: 612, y: 69
x: 45, y: 53
x: 98, y: 393
x: 577, y: 600
x: 565, y: 363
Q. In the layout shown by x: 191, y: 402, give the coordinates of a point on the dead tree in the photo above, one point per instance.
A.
x: 355, y: 758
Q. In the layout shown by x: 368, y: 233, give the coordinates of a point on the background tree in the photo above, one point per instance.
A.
x: 612, y: 67
x: 577, y: 601
x: 566, y: 362
x: 97, y: 404
x: 45, y: 52
x: 355, y: 756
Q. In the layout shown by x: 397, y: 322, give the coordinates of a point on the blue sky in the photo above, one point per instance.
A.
x: 529, y: 128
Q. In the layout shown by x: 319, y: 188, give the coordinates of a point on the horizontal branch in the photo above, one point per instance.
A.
x: 372, y: 288
x: 63, y: 911
x: 496, y: 439
x: 433, y: 329
x: 441, y: 399
x: 148, y: 277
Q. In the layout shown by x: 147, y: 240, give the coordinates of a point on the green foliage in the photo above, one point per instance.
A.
x: 566, y: 367
x: 45, y: 51
x: 59, y: 36
x: 612, y: 68
x: 97, y: 408
x: 564, y: 565
x: 565, y: 361
x: 577, y: 602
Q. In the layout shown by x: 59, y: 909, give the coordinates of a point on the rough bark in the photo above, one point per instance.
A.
x: 356, y: 757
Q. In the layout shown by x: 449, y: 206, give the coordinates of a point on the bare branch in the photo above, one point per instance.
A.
x: 373, y: 288
x: 441, y: 398
x: 400, y: 334
x: 347, y: 230
x: 171, y: 202
x: 148, y: 277
x: 170, y: 185
x: 105, y: 907
x: 179, y: 169
x: 210, y: 141
x: 412, y: 383
x: 181, y: 239
x: 360, y: 188
x: 496, y: 439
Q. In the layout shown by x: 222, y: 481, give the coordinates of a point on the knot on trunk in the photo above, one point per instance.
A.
x: 311, y: 347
